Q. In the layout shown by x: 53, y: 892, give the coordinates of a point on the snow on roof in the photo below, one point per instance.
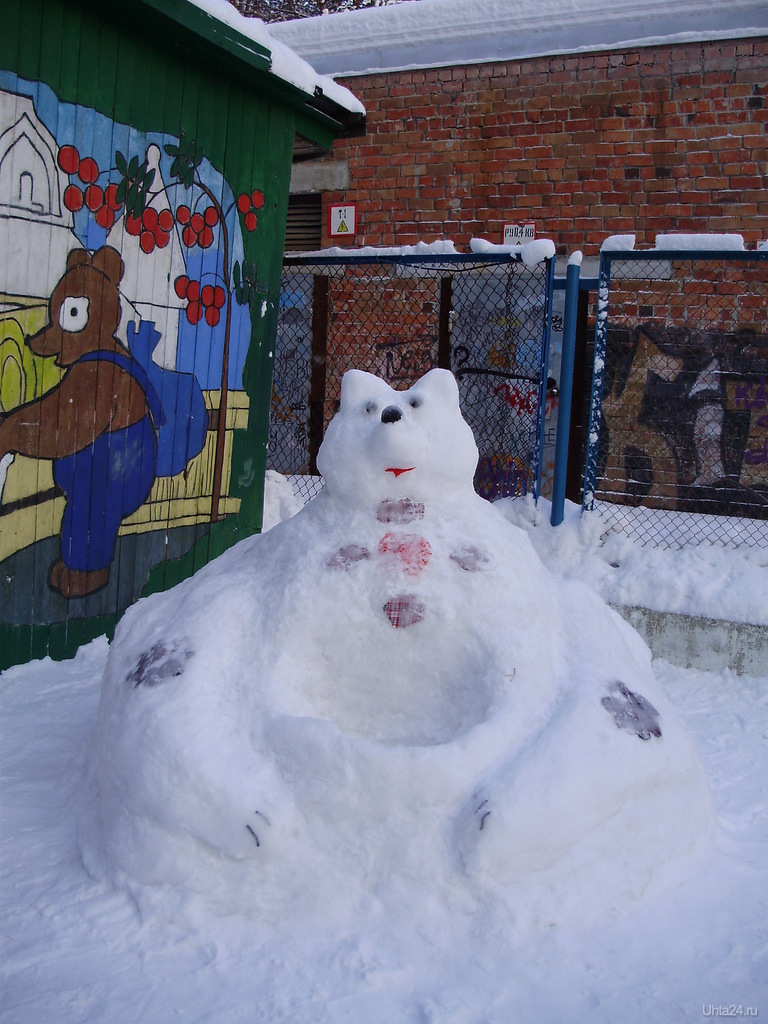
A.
x: 286, y: 64
x: 432, y: 33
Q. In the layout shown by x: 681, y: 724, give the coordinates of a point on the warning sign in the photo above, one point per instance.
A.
x: 516, y: 234
x: 343, y: 219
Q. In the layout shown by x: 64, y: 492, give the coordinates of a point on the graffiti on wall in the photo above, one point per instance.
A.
x: 125, y: 319
x: 687, y: 421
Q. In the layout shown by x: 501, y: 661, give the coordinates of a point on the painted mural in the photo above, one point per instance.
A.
x: 686, y: 413
x: 125, y: 320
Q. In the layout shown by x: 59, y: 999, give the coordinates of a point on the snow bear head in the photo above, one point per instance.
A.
x: 391, y: 444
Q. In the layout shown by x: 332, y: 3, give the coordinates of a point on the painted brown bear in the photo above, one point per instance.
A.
x: 97, y: 424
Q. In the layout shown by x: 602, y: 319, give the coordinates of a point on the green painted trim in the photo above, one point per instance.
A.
x: 209, y: 29
x: 202, y: 33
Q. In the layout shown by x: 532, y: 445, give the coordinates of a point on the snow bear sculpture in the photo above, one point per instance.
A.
x: 388, y: 686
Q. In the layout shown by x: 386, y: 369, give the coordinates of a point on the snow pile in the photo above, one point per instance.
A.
x: 385, y: 702
x: 280, y: 502
x: 700, y: 242
x: 440, y: 247
x: 706, y: 579
x: 618, y: 243
x: 531, y: 253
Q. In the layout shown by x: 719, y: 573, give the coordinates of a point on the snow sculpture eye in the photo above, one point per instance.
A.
x: 73, y: 315
x: 370, y: 408
x: 415, y: 403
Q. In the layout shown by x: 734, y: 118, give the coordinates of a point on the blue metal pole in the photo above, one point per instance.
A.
x: 549, y: 285
x: 566, y: 389
x: 598, y: 380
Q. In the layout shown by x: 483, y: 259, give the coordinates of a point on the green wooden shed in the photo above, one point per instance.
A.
x: 145, y: 157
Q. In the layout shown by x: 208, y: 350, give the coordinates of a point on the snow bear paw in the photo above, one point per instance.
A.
x: 632, y: 711
x: 470, y: 558
x: 163, y: 661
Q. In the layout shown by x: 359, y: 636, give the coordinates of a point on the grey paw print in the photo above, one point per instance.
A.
x: 164, y: 660
x: 631, y: 711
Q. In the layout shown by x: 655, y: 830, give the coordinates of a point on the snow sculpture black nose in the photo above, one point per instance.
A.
x: 391, y: 414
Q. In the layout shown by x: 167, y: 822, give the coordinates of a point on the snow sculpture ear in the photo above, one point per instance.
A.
x: 441, y: 386
x: 357, y: 386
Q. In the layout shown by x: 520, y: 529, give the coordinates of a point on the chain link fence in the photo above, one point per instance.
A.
x: 485, y: 318
x: 679, y: 409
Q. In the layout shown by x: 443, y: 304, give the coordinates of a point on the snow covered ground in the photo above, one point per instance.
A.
x: 77, y: 950
x: 714, y: 578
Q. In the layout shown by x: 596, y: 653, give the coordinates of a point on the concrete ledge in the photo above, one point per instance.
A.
x: 697, y: 642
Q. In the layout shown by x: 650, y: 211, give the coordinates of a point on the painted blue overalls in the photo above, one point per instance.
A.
x: 109, y: 479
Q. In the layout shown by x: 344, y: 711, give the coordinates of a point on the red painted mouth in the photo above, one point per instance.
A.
x: 399, y: 472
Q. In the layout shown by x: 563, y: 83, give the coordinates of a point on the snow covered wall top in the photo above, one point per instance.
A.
x: 442, y: 32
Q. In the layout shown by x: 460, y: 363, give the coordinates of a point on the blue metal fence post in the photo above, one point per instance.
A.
x: 598, y: 379
x: 549, y: 285
x: 566, y: 389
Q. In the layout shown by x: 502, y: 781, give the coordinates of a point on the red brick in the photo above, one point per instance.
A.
x: 587, y: 144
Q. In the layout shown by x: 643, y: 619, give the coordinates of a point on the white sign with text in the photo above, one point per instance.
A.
x: 516, y: 234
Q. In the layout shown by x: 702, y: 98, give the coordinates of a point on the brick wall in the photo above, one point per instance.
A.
x: 646, y: 141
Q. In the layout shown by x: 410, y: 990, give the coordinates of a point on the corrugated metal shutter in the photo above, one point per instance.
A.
x: 304, y: 229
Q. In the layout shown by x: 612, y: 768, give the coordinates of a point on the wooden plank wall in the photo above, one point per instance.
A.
x: 143, y: 196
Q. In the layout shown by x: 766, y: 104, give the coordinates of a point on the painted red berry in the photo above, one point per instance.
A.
x: 180, y: 286
x: 212, y: 316
x: 219, y: 297
x: 133, y: 224
x: 194, y: 312
x: 211, y: 216
x: 193, y: 291
x: 105, y: 217
x: 162, y: 238
x: 149, y: 218
x: 73, y: 198
x: 94, y: 198
x: 206, y: 238
x: 165, y: 220
x: 183, y: 215
x: 197, y: 223
x: 250, y: 220
x: 69, y: 159
x: 88, y: 170
x: 189, y: 236
x: 110, y: 197
x: 257, y: 198
x: 147, y: 241
x: 243, y: 203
